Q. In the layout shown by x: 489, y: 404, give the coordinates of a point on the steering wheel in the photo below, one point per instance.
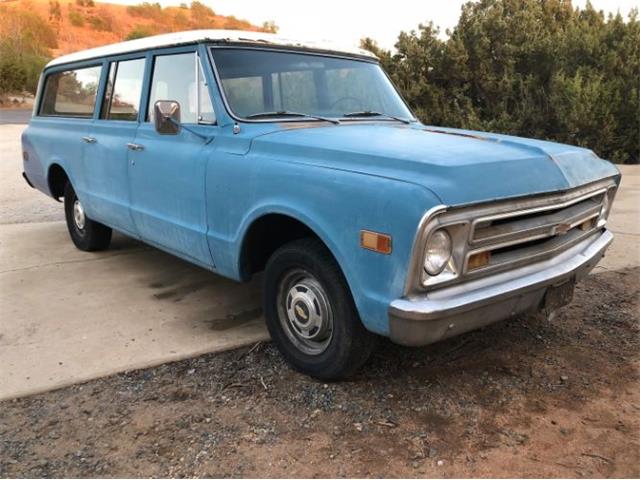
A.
x: 348, y: 99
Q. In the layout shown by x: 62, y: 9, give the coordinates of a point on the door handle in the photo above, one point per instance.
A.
x: 136, y: 147
x: 89, y: 139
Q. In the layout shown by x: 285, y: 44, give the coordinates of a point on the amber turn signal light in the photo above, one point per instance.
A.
x: 377, y: 242
x: 478, y: 260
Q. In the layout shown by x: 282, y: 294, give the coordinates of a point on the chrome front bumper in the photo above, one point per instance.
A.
x: 429, y: 317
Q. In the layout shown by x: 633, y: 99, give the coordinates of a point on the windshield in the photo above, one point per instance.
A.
x: 263, y: 84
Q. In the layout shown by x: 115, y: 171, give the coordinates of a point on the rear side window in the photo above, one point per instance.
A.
x: 71, y: 93
x: 123, y: 90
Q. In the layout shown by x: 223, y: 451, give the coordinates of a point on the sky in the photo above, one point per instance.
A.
x: 347, y: 21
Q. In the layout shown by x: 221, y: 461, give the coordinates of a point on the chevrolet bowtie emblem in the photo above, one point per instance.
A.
x: 300, y: 311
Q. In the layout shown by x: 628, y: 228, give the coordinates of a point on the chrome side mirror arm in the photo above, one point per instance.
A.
x: 190, y: 130
x: 167, y: 119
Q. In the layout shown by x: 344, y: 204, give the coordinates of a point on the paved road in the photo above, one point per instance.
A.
x: 68, y: 316
x: 14, y: 116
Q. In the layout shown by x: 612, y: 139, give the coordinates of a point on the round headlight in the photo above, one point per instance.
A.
x: 438, y: 252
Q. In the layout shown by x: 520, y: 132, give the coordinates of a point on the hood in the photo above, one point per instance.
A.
x: 459, y: 166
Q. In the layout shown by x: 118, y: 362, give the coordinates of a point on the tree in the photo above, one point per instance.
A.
x: 270, y: 27
x: 537, y: 68
x: 55, y: 11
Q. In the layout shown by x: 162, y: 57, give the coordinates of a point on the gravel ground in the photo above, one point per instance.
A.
x: 531, y: 397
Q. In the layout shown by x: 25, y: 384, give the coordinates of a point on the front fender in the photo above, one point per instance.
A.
x: 336, y: 205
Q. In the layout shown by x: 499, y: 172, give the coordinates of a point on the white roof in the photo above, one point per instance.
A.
x: 194, y: 36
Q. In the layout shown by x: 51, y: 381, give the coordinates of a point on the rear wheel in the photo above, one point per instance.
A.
x: 310, y: 312
x: 86, y: 234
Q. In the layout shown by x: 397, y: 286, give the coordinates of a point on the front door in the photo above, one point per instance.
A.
x: 107, y: 151
x: 167, y: 172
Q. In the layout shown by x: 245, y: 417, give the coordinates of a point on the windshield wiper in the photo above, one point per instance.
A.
x: 285, y: 113
x: 369, y: 113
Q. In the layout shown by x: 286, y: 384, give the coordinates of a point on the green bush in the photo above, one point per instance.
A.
x: 199, y: 10
x: 76, y: 18
x: 138, y: 32
x: 55, y: 11
x: 146, y: 10
x: 25, y: 43
x: 101, y: 22
x: 530, y: 68
x: 19, y: 71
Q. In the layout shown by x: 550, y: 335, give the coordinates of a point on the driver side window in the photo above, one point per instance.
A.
x: 179, y: 77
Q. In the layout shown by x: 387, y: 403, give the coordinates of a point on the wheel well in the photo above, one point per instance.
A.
x: 57, y: 180
x: 265, y: 236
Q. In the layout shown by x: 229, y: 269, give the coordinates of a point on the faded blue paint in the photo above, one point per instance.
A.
x: 104, y: 176
x: 167, y: 184
x: 198, y: 199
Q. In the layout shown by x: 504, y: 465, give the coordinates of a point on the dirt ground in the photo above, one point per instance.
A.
x: 528, y: 398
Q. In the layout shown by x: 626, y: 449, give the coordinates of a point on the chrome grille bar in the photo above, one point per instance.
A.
x: 544, y: 225
x: 524, y: 236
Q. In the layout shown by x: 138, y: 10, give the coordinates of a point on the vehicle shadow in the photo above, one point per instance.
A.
x: 201, y: 298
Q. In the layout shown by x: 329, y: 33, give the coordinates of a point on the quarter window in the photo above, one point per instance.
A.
x: 180, y: 78
x: 71, y: 93
x: 123, y: 90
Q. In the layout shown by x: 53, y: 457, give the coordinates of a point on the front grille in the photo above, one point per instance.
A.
x: 501, y: 235
x: 527, y: 235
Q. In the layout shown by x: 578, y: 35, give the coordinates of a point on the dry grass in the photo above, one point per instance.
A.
x: 84, y: 24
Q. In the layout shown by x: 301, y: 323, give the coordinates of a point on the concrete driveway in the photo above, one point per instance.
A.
x: 67, y: 316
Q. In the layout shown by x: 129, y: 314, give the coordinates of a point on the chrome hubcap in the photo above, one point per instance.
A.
x: 78, y: 214
x: 305, y: 312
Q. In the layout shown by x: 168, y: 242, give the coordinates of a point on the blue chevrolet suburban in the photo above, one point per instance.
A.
x: 245, y: 152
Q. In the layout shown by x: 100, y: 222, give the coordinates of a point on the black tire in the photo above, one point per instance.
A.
x: 90, y: 236
x: 349, y: 344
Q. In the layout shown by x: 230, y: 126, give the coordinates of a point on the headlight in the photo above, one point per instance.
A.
x: 438, y: 252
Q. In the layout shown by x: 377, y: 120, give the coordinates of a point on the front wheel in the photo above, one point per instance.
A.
x: 86, y: 234
x: 310, y: 312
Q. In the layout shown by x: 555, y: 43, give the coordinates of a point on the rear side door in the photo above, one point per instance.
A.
x: 167, y: 172
x: 108, y: 145
x: 63, y: 122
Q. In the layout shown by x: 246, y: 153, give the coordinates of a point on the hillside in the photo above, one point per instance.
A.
x: 80, y: 24
x: 33, y: 31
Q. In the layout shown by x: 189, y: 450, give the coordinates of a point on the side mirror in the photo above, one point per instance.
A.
x: 166, y: 115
